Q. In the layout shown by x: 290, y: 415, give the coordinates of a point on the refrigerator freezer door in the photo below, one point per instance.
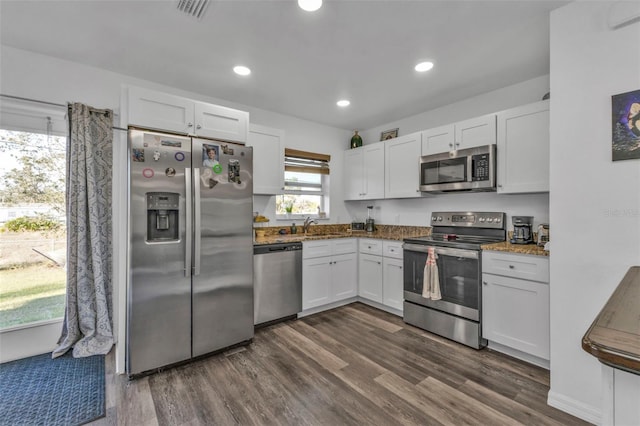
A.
x: 222, y: 299
x: 159, y: 286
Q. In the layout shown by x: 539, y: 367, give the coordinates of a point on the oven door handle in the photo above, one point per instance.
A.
x: 445, y: 251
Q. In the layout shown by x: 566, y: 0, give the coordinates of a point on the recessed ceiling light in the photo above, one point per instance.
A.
x: 241, y: 70
x: 424, y: 66
x: 310, y: 5
x: 343, y: 103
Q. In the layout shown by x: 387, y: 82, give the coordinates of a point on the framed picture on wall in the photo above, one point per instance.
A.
x: 389, y: 134
x: 625, y: 129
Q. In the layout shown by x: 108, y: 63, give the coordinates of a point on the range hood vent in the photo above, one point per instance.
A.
x: 195, y: 8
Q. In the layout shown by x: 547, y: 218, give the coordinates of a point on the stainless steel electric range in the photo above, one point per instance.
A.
x: 456, y: 238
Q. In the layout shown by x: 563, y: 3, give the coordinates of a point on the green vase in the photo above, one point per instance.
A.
x: 356, y: 140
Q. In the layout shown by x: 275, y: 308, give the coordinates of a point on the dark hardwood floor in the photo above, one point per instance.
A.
x: 353, y: 365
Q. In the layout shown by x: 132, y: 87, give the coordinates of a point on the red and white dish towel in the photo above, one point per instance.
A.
x: 431, y: 283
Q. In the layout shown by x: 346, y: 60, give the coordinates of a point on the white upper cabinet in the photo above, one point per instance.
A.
x: 438, y: 139
x: 353, y: 174
x: 364, y: 172
x: 476, y: 132
x: 268, y: 159
x: 220, y: 122
x: 464, y: 134
x: 523, y: 149
x: 161, y: 111
x: 373, y: 167
x: 402, y: 166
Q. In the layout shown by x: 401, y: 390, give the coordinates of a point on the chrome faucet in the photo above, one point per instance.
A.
x: 307, y: 224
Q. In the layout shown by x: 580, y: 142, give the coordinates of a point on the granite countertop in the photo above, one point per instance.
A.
x: 383, y: 232
x: 506, y: 246
x: 614, y: 336
x: 326, y: 232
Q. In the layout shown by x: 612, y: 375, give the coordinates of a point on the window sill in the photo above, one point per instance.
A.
x: 299, y: 217
x: 31, y: 325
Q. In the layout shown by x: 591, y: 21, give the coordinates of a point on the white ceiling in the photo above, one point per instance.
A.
x: 302, y: 62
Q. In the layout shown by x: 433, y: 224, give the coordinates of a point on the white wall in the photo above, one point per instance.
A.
x: 508, y: 97
x: 594, y: 202
x: 417, y: 212
x: 40, y: 77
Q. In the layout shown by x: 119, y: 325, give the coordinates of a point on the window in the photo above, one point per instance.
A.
x: 32, y: 216
x: 306, y: 185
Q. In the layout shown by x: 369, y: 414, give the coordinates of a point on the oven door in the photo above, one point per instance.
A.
x: 459, y: 273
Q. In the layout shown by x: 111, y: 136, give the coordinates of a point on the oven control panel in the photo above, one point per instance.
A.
x: 469, y: 219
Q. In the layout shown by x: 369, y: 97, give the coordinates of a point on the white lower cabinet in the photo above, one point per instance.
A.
x: 392, y: 288
x: 329, y: 271
x: 370, y: 277
x: 515, y: 310
x: 380, y: 272
x: 316, y: 282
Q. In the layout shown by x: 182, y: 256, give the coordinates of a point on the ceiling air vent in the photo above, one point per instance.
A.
x: 195, y: 8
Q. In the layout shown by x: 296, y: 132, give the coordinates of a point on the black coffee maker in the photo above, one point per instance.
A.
x: 522, y: 233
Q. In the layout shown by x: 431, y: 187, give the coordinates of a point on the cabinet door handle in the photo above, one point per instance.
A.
x: 499, y: 185
x: 198, y: 127
x: 484, y: 282
x: 379, y: 263
x: 511, y: 267
x: 189, y: 124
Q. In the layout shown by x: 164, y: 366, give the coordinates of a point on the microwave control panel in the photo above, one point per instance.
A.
x: 480, y: 167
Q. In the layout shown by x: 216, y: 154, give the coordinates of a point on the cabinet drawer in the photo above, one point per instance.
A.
x: 392, y: 249
x: 371, y: 246
x: 320, y: 248
x: 344, y: 245
x: 528, y: 267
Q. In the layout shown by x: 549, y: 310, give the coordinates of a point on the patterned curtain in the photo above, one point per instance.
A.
x: 87, y: 323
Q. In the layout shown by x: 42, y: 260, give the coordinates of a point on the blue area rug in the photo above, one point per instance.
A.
x: 44, y: 391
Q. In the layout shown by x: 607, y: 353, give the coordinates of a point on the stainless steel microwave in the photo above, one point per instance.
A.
x: 471, y: 169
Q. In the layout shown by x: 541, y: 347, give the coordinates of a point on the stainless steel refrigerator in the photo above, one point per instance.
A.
x: 190, y: 288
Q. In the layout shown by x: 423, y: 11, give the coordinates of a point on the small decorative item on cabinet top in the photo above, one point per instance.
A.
x: 389, y: 134
x: 356, y: 140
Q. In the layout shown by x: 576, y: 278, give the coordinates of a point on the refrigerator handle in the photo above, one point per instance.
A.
x: 188, y: 222
x: 197, y: 222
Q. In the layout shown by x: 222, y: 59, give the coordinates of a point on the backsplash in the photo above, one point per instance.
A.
x: 418, y: 211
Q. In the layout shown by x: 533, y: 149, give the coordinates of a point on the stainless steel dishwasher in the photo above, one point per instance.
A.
x: 277, y: 282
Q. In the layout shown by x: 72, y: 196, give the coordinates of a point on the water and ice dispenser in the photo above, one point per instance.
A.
x: 162, y: 216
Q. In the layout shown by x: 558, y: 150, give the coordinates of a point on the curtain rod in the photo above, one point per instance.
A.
x: 33, y: 100
x: 49, y: 103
